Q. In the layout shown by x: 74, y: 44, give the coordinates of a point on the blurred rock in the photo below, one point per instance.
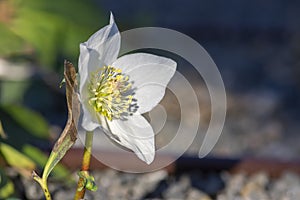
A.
x: 32, y: 189
x: 255, y: 187
x: 233, y: 186
x: 287, y: 187
x: 194, y: 194
x: 177, y: 189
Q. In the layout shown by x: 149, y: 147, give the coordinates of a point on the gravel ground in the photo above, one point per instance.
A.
x: 192, y: 185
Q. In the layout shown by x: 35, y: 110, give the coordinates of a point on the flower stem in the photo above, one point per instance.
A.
x: 80, y: 191
x: 43, y: 184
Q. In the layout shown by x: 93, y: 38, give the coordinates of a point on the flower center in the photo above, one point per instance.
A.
x: 109, y: 92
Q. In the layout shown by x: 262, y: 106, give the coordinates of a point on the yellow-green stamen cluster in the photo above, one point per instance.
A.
x: 109, y: 89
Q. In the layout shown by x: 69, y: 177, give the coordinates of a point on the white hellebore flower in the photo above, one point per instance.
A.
x: 114, y: 92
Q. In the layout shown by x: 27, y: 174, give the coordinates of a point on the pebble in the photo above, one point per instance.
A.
x: 287, y: 187
x: 255, y: 187
x: 177, y: 189
x: 195, y: 194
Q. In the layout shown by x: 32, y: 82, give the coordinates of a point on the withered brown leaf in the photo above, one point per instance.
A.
x: 73, y: 105
x: 69, y: 134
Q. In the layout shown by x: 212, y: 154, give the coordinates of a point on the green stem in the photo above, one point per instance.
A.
x: 80, y: 191
x: 43, y: 184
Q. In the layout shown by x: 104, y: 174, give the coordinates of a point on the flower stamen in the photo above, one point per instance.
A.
x: 109, y: 92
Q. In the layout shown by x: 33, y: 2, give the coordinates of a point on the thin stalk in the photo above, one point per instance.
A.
x: 80, y: 191
x: 43, y: 184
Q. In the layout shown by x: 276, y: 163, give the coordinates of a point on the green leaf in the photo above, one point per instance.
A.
x: 31, y: 121
x: 6, y: 186
x: 15, y: 158
x: 12, y: 92
x: 10, y: 43
x: 2, y: 133
x: 64, y: 25
x: 32, y: 27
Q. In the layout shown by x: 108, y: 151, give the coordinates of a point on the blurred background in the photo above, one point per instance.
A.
x: 255, y: 45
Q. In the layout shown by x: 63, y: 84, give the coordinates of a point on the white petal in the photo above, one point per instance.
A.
x: 134, y: 133
x: 106, y: 42
x: 83, y: 64
x: 102, y: 48
x: 89, y: 122
x: 150, y: 75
